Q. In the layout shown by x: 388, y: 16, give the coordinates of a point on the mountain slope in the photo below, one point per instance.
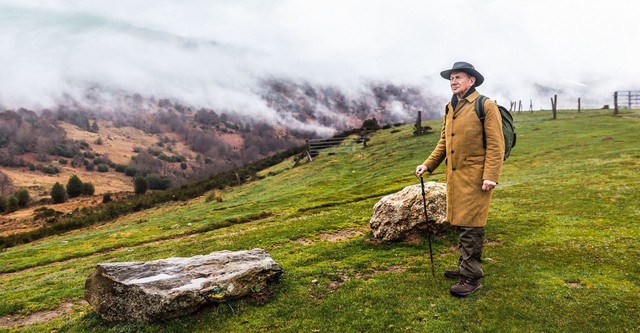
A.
x: 561, y: 250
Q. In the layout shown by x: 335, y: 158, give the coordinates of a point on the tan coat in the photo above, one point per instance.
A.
x: 467, y: 162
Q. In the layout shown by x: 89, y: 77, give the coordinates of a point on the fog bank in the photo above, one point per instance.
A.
x: 215, y: 54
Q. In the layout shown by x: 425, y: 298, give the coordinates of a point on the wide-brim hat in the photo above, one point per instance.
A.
x: 463, y: 67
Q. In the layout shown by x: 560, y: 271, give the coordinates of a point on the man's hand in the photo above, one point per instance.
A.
x: 488, y: 185
x: 420, y: 169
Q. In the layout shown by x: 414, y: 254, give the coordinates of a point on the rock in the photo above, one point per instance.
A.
x: 168, y: 288
x: 400, y: 215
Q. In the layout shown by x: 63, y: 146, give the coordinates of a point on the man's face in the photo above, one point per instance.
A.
x: 461, y: 82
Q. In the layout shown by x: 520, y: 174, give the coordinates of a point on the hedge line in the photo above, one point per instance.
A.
x: 114, y: 209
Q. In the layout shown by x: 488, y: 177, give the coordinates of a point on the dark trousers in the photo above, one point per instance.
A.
x: 470, y: 261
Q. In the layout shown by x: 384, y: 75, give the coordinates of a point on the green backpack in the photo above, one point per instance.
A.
x: 508, y: 130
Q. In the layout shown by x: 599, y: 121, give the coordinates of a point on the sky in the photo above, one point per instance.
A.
x: 214, y: 53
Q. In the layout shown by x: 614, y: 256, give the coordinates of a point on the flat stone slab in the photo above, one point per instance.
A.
x: 168, y: 288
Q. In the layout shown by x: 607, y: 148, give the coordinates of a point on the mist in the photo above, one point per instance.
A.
x: 216, y: 53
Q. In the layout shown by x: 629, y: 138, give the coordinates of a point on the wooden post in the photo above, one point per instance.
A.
x: 520, y: 105
x: 418, y: 126
x: 554, y: 104
x: 308, y: 151
x: 363, y: 137
x: 615, y: 103
x: 578, y: 104
x: 531, y: 105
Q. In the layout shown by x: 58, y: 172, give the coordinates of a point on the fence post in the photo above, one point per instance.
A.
x: 309, y: 150
x: 615, y: 103
x: 531, y: 105
x: 554, y: 103
x: 578, y: 104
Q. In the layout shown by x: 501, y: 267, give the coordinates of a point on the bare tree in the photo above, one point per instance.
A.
x: 5, y: 184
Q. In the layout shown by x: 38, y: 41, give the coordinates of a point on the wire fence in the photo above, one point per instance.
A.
x: 628, y: 99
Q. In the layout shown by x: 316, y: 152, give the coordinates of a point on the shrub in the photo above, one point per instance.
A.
x: 106, y: 198
x: 12, y: 204
x: 83, y: 144
x: 62, y: 161
x: 74, y: 186
x: 89, y: 167
x: 88, y: 189
x: 215, y: 195
x: 131, y: 171
x: 44, y: 213
x: 103, y: 168
x: 32, y: 166
x: 183, y: 166
x: 140, y: 185
x: 58, y: 193
x: 120, y: 168
x: 102, y: 160
x: 23, y: 197
x: 3, y: 204
x: 154, y: 151
x: 49, y: 169
x: 157, y: 182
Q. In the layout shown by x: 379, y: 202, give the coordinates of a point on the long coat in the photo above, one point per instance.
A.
x: 468, y: 163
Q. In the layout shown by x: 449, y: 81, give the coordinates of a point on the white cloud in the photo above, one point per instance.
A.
x: 212, y: 53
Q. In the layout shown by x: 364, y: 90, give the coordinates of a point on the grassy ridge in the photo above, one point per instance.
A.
x: 561, y: 254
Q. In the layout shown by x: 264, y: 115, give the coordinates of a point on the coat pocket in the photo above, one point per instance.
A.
x: 474, y: 160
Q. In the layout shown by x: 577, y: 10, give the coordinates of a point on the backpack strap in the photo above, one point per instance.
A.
x: 480, y: 112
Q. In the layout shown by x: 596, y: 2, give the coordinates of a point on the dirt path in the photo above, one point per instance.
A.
x: 14, y: 321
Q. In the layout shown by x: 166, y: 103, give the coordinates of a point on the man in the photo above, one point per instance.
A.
x: 472, y: 171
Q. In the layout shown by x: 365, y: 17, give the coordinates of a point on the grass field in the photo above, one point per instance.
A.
x: 562, y: 246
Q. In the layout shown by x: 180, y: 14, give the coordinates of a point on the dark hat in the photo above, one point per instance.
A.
x: 463, y: 67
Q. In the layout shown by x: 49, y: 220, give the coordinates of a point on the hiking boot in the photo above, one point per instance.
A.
x: 452, y: 274
x: 465, y: 286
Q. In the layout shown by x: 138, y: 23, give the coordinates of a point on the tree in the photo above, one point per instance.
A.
x: 12, y: 204
x: 88, y: 189
x: 94, y: 127
x: 58, y: 193
x: 3, y: 204
x: 157, y: 182
x: 74, y: 186
x: 5, y: 183
x: 23, y: 197
x: 140, y: 185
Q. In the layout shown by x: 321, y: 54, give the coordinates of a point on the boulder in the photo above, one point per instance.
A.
x: 168, y: 288
x: 400, y: 215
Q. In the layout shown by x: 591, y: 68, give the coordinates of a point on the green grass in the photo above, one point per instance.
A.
x: 562, y: 246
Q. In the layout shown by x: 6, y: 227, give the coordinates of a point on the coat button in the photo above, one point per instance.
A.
x: 453, y: 134
x: 454, y: 169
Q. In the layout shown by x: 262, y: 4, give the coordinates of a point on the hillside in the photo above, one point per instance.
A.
x: 561, y: 252
x: 111, y: 136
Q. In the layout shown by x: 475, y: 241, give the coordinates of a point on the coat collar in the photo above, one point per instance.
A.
x: 470, y: 96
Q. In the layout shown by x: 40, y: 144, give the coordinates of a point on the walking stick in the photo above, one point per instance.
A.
x: 429, y: 229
